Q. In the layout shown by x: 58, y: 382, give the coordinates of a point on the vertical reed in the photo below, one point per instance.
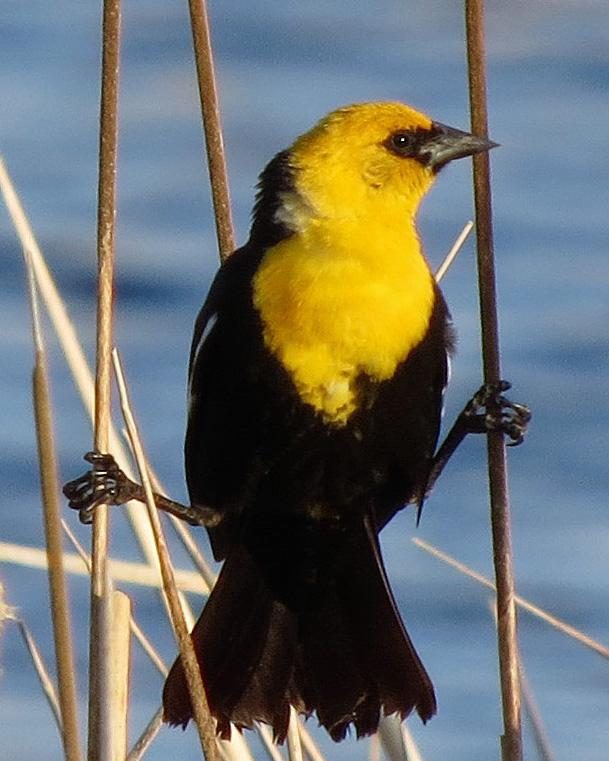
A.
x: 60, y: 609
x: 210, y: 112
x: 100, y: 708
x: 511, y: 741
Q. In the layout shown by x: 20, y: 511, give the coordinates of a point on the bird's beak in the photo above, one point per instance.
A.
x: 445, y: 144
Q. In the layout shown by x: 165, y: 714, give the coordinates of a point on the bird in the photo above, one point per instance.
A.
x: 317, y: 371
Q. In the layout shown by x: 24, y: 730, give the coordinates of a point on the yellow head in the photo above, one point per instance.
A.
x: 371, y: 155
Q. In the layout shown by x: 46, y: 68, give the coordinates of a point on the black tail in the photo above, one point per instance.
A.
x: 343, y: 653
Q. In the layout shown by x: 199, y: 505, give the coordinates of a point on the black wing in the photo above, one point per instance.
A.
x: 224, y: 418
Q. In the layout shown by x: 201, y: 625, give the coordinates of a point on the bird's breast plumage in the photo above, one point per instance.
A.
x: 338, y: 301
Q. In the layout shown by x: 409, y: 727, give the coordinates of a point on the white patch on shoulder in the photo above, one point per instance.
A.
x: 208, y: 328
x: 293, y: 211
x: 448, y: 375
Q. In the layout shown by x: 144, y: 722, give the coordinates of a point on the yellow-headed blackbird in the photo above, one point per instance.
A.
x: 317, y: 369
x: 316, y: 376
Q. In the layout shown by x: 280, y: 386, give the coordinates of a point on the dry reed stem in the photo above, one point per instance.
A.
x: 100, y: 690
x: 540, y: 736
x: 185, y: 537
x: 147, y: 737
x: 202, y: 716
x: 266, y: 737
x: 124, y: 571
x: 41, y: 672
x: 60, y: 609
x: 397, y: 741
x: 210, y: 112
x: 412, y: 751
x: 557, y: 623
x: 7, y: 613
x: 511, y: 741
x: 293, y: 739
x: 120, y: 647
x: 236, y: 748
x: 452, y: 254
x: 310, y: 748
x: 135, y: 627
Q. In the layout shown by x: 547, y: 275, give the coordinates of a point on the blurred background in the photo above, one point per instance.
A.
x: 281, y: 65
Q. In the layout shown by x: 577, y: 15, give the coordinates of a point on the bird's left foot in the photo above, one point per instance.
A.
x: 489, y: 411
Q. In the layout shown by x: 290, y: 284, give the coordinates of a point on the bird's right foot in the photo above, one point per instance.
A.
x: 500, y: 414
x: 104, y: 483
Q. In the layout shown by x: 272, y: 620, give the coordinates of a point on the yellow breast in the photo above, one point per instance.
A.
x: 339, y: 299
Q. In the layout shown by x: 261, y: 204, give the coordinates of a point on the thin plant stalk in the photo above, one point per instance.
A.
x: 147, y: 737
x: 535, y: 610
x: 271, y: 748
x: 412, y: 751
x: 451, y: 255
x: 120, y: 645
x: 42, y: 672
x: 210, y: 111
x: 60, y: 609
x: 532, y: 712
x: 531, y: 709
x: 511, y: 741
x: 397, y: 741
x: 202, y: 716
x: 293, y: 739
x: 125, y: 571
x: 135, y: 627
x: 155, y: 724
x: 185, y: 537
x: 100, y: 688
x: 310, y: 748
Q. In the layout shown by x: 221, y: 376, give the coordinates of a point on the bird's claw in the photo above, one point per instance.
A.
x: 500, y: 414
x: 104, y: 483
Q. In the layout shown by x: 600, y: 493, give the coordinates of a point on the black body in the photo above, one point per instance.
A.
x: 302, y: 612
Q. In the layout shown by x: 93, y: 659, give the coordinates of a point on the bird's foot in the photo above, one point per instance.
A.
x: 489, y: 411
x: 104, y: 483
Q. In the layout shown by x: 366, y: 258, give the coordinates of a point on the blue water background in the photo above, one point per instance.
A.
x: 281, y: 65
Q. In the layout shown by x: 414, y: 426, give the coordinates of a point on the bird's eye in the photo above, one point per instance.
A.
x: 402, y: 143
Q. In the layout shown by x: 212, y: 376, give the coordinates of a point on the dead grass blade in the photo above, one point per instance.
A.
x: 452, y: 254
x: 535, y: 610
